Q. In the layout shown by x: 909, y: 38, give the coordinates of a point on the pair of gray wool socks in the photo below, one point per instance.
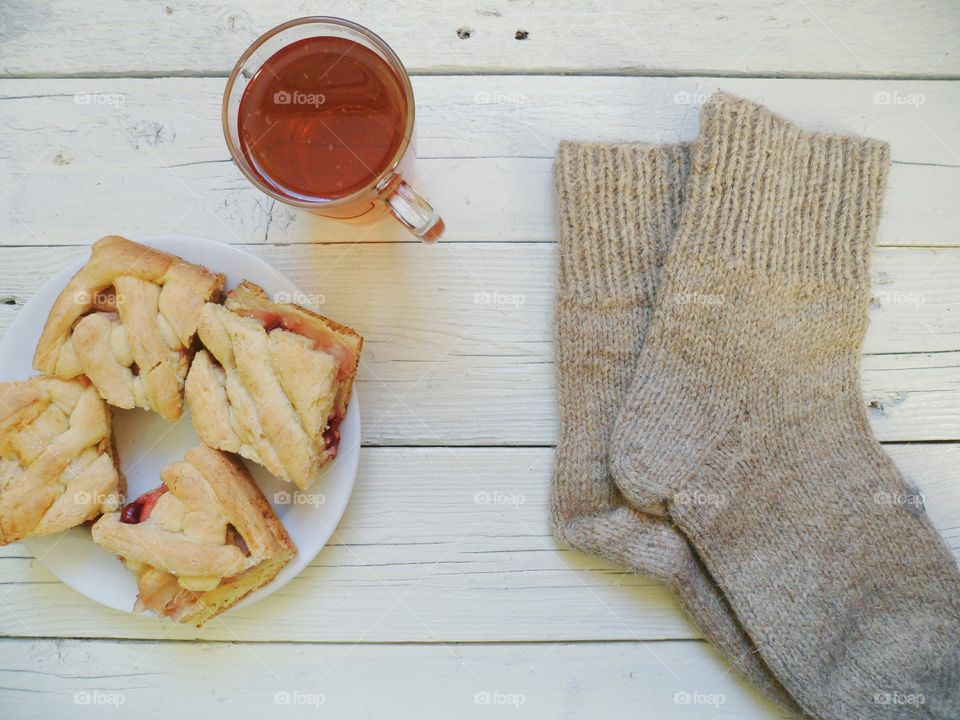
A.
x: 711, y: 305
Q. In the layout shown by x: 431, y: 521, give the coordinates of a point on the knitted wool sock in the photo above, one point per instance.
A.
x: 618, y: 206
x: 746, y: 419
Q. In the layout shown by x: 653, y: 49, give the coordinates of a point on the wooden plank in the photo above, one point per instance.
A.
x: 857, y: 37
x: 421, y: 557
x: 93, y: 678
x: 435, y: 346
x: 81, y: 158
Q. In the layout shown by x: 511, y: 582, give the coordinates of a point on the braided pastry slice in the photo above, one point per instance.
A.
x: 58, y: 466
x: 201, y: 541
x: 126, y: 320
x: 273, y: 383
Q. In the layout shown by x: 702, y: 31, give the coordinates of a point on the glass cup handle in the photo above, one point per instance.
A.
x: 413, y: 212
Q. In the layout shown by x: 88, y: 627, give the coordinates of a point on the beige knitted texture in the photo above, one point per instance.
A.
x: 618, y: 206
x: 776, y: 198
x: 746, y: 421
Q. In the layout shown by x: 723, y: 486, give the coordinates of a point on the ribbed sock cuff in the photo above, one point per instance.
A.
x: 788, y: 201
x: 618, y: 207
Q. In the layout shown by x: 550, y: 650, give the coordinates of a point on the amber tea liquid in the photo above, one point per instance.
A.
x: 322, y: 119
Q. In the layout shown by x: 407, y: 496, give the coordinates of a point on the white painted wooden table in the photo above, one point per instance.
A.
x: 442, y: 593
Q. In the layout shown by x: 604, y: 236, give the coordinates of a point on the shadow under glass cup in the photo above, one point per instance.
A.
x: 318, y: 113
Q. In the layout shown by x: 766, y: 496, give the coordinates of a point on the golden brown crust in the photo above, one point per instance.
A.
x: 58, y: 463
x: 187, y: 567
x: 160, y: 592
x: 226, y: 596
x: 139, y: 359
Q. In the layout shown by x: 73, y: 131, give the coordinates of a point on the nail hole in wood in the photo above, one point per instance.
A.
x: 522, y: 35
x: 464, y: 33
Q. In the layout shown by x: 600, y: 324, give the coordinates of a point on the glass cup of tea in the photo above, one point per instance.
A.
x: 318, y: 113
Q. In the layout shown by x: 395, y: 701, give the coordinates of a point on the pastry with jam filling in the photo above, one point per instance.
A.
x: 272, y: 383
x: 201, y: 541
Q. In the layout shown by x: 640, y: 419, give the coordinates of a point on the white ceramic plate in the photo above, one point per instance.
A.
x: 146, y: 443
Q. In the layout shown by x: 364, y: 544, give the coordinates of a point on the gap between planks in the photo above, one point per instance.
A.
x: 338, y: 643
x: 536, y: 72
